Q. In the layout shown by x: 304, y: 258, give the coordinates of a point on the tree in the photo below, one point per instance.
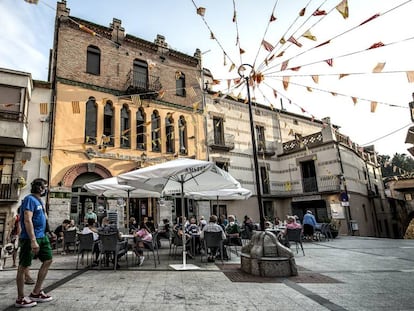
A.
x: 400, y: 164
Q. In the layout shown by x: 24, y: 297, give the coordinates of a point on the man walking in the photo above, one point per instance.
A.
x: 33, y: 243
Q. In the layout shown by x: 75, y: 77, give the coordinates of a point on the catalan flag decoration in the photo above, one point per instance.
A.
x: 378, y: 68
x: 373, y: 106
x: 75, y: 107
x: 43, y: 108
x: 87, y: 30
x: 136, y: 99
x: 343, y: 8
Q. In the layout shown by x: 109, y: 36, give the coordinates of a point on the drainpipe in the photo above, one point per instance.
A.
x: 347, y: 208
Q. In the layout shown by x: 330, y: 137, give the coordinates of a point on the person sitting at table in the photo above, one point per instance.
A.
x: 132, y: 226
x: 290, y: 224
x: 91, y: 228
x: 140, y: 236
x: 268, y: 225
x: 149, y: 224
x: 163, y: 231
x: 109, y: 227
x: 233, y: 232
x: 202, y: 222
x: 194, y: 232
x: 212, y: 226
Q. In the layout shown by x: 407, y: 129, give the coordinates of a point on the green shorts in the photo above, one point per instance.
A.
x: 26, y: 254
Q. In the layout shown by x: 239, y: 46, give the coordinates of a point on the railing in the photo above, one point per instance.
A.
x: 138, y: 83
x: 305, y: 141
x: 225, y: 142
x: 267, y: 148
x: 6, y: 187
x: 12, y: 116
x: 326, y: 183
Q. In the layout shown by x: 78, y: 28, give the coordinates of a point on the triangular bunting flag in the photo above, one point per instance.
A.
x: 376, y: 45
x: 284, y: 65
x: 322, y: 44
x: 232, y: 66
x: 87, y: 30
x: 308, y: 35
x: 342, y: 8
x: 268, y: 47
x: 241, y: 51
x: 136, y: 99
x: 410, y: 76
x: 342, y: 75
x: 274, y: 93
x: 319, y: 13
x: 315, y: 79
x: 370, y: 19
x: 329, y: 61
x: 378, y: 68
x: 286, y: 82
x: 294, y: 41
x: 272, y: 18
x: 212, y: 36
x: 309, y: 89
x: 302, y: 12
x: 161, y: 94
x: 195, y: 106
x: 32, y: 1
x: 46, y: 160
x: 282, y: 41
x: 234, y: 17
x: 201, y: 11
x: 355, y: 100
x: 295, y: 68
x: 373, y: 106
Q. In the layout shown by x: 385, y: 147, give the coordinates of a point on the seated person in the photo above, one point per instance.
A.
x: 90, y: 228
x: 141, y: 235
x: 291, y: 224
x: 132, y: 226
x: 268, y: 225
x: 108, y: 227
x: 233, y: 231
x: 149, y: 224
x: 164, y: 231
x: 212, y: 226
x: 72, y: 226
x: 193, y: 231
x: 59, y: 232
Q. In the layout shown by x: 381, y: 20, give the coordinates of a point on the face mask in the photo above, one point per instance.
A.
x: 43, y: 193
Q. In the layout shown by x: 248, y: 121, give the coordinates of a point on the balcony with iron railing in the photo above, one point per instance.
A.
x: 266, y: 148
x: 138, y: 83
x: 302, y: 142
x: 8, y: 188
x: 312, y: 185
x: 13, y: 128
x: 220, y: 142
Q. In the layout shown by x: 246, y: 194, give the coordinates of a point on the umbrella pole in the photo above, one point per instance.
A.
x: 127, y: 210
x: 183, y: 224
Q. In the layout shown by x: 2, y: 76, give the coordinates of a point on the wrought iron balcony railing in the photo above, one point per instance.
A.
x: 138, y: 83
x: 221, y: 142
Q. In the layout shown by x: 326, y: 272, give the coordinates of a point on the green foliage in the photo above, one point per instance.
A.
x: 400, y: 164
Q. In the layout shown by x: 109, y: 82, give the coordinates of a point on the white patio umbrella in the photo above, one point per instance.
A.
x: 222, y: 194
x: 180, y: 176
x: 109, y: 187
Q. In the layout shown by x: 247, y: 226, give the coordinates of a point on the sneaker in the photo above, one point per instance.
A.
x: 24, y: 302
x: 141, y: 260
x: 29, y: 281
x: 41, y: 297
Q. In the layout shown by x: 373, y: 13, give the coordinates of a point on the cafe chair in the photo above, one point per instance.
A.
x: 86, y: 244
x: 69, y: 239
x: 153, y: 248
x: 111, y: 246
x: 295, y: 235
x: 212, y: 240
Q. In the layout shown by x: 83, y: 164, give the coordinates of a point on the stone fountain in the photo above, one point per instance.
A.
x: 265, y: 256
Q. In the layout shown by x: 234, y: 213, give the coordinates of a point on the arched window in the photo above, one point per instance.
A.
x: 91, y: 121
x: 141, y: 130
x: 182, y: 130
x: 125, y: 127
x: 93, y: 60
x: 169, y: 133
x: 108, y: 124
x: 140, y: 76
x: 179, y: 83
x: 155, y: 131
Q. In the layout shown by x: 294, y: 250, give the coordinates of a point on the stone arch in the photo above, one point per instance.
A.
x: 73, y: 172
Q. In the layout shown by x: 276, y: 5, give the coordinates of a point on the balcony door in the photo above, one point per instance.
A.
x: 140, y: 74
x: 309, y: 176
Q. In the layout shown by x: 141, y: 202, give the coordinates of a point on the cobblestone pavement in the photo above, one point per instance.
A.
x: 362, y: 273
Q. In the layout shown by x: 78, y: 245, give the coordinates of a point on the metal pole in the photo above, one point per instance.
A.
x: 253, y: 136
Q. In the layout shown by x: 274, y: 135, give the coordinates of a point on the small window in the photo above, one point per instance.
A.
x: 91, y: 121
x: 260, y: 138
x: 125, y: 128
x: 169, y: 134
x: 156, y: 131
x: 108, y: 124
x: 180, y: 83
x: 141, y: 130
x: 93, y: 60
x: 218, y: 131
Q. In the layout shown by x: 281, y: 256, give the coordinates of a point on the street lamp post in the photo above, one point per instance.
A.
x: 253, y: 136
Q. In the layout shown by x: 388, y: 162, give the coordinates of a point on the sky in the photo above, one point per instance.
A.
x: 27, y: 37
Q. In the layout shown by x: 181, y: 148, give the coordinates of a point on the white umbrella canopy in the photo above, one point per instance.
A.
x: 180, y: 176
x: 109, y: 187
x: 222, y: 194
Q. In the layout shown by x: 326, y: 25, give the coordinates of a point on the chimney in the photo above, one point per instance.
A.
x: 118, y: 32
x: 61, y: 9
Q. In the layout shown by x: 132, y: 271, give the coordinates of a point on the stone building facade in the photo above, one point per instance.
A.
x: 121, y: 103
